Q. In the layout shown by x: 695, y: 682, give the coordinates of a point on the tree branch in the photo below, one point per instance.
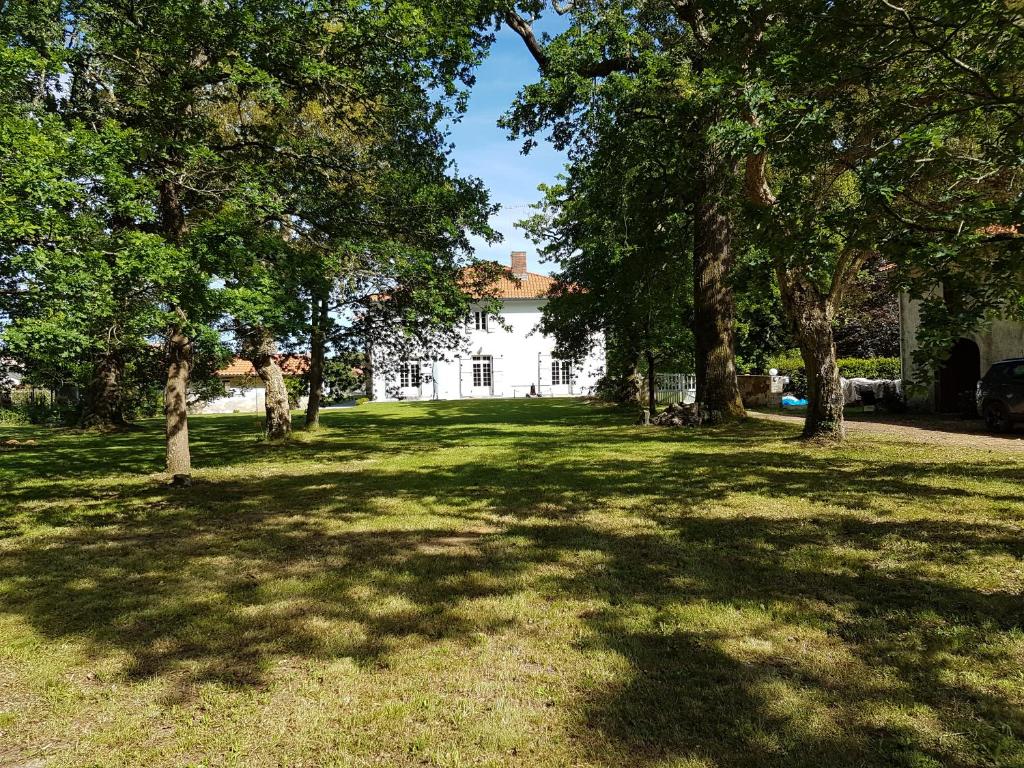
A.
x: 693, y: 16
x: 525, y: 31
x: 601, y: 68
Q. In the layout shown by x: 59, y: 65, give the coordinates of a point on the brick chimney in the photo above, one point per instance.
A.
x: 519, y: 263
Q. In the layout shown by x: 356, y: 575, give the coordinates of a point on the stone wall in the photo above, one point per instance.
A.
x: 760, y: 391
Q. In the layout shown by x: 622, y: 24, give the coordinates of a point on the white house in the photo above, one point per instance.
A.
x: 501, y: 356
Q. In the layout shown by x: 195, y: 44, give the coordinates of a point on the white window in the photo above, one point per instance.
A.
x: 409, y: 375
x: 481, y: 371
x: 561, y: 372
x: 479, y: 321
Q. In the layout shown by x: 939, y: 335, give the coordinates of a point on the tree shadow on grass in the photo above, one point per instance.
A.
x: 227, y: 440
x: 741, y: 655
x: 759, y: 637
x: 176, y: 601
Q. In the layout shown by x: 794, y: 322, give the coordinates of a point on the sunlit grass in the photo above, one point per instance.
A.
x: 535, y: 583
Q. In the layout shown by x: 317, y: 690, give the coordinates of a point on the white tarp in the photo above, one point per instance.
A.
x: 882, y: 388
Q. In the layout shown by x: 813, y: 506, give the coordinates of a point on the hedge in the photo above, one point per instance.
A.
x: 789, y: 363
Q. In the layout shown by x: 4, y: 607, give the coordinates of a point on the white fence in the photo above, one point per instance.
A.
x: 675, y: 387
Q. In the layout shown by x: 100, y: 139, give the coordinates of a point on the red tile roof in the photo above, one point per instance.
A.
x: 527, y: 286
x: 291, y: 365
x: 508, y: 286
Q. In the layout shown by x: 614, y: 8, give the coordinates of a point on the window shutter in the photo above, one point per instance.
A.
x: 498, y: 375
x: 491, y: 322
x: 544, y: 370
x: 465, y: 376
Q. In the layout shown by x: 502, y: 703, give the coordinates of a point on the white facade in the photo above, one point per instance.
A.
x: 240, y: 400
x: 970, y: 358
x: 512, y: 361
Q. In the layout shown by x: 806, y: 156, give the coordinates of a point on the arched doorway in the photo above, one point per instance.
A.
x: 958, y: 379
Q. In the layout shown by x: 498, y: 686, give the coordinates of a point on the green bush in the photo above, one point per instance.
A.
x: 870, y: 367
x: 797, y: 383
x: 790, y: 363
x: 38, y: 412
x: 13, y: 416
x: 362, y: 401
x: 296, y: 388
x: 787, y: 363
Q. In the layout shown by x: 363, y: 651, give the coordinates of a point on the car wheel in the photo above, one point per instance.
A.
x: 997, y: 417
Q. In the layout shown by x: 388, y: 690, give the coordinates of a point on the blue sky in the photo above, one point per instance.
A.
x: 482, y: 149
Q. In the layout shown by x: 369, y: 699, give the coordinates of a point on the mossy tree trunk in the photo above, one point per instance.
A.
x: 812, y: 313
x: 713, y: 304
x: 259, y: 348
x: 103, y: 395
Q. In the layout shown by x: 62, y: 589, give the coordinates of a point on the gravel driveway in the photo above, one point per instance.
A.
x: 920, y: 428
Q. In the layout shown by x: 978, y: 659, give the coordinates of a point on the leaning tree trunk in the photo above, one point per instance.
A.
x: 317, y: 352
x: 261, y: 349
x: 179, y: 367
x: 652, y: 387
x: 713, y: 305
x: 811, y: 314
x: 103, y: 395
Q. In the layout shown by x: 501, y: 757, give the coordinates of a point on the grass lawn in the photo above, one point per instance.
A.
x: 522, y: 583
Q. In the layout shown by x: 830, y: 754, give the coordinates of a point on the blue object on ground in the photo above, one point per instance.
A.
x: 791, y: 401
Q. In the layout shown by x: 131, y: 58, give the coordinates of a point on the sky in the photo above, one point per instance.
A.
x: 482, y: 149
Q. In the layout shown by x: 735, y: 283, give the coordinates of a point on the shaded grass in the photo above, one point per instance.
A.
x: 509, y: 583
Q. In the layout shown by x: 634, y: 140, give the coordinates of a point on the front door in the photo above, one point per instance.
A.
x: 561, y: 377
x: 483, y: 376
x: 410, y: 380
x: 958, y: 378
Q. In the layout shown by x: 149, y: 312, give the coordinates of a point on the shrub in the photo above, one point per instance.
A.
x: 296, y: 388
x: 870, y: 367
x: 790, y: 363
x: 797, y: 383
x: 362, y: 401
x: 787, y: 363
x: 13, y: 416
x: 624, y: 390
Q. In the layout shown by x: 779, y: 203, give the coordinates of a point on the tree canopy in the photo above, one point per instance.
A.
x: 820, y: 133
x: 219, y: 165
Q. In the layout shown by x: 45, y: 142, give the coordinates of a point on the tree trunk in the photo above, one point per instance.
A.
x: 103, y: 397
x: 317, y: 352
x: 811, y: 314
x: 179, y: 459
x: 652, y: 387
x: 260, y: 350
x: 173, y: 226
x: 629, y: 390
x: 713, y: 305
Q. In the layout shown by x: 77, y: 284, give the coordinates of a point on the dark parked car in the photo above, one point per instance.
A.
x: 1001, y: 395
